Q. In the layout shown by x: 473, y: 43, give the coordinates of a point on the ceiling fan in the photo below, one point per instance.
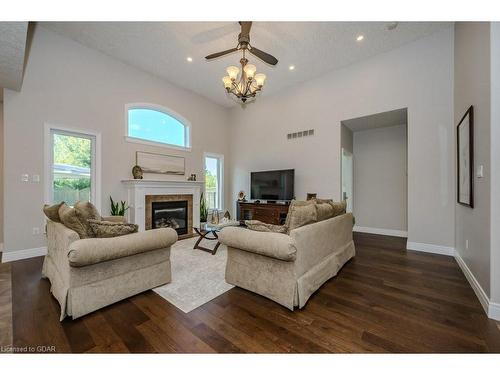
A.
x: 244, y: 44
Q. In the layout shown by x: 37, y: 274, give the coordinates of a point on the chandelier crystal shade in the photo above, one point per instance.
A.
x: 243, y: 83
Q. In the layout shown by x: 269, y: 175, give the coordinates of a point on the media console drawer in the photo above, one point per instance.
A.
x: 271, y: 213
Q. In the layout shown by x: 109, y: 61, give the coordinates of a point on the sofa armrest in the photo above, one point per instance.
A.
x: 273, y: 245
x: 96, y: 250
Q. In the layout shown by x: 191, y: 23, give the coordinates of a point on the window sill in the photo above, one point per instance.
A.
x: 156, y: 144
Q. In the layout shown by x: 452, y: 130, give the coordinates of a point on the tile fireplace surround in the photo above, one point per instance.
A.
x: 138, y: 190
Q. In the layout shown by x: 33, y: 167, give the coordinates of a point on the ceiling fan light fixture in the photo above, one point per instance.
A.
x: 246, y: 85
x: 233, y: 71
x: 227, y: 82
x: 260, y: 78
x: 250, y: 70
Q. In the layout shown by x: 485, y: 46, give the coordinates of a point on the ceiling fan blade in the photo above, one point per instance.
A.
x: 263, y: 56
x: 245, y: 27
x: 219, y: 54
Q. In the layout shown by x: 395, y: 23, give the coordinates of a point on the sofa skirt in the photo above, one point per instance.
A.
x: 84, y: 299
x: 276, y: 279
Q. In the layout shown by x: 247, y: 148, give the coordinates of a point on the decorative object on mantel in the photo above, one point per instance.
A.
x: 311, y: 196
x: 192, y: 177
x: 465, y: 159
x: 248, y: 84
x: 242, y: 197
x: 137, y: 172
x: 159, y: 163
x: 203, y: 209
x: 118, y: 209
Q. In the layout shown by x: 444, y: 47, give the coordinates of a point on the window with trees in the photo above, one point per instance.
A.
x: 214, y: 181
x: 148, y: 123
x: 72, y: 167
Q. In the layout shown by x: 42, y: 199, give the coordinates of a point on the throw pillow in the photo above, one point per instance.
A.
x: 86, y: 211
x: 70, y: 219
x: 52, y: 212
x: 259, y: 226
x: 106, y: 229
x: 327, y: 208
x: 301, y: 213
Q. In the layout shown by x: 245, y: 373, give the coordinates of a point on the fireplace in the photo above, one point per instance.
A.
x: 173, y: 214
x: 170, y: 211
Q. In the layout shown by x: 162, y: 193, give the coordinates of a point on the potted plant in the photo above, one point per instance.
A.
x: 203, y: 209
x: 118, y: 209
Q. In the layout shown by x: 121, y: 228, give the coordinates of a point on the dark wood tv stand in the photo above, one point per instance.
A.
x: 271, y: 213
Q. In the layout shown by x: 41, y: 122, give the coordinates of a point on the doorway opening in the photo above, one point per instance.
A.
x: 374, y: 178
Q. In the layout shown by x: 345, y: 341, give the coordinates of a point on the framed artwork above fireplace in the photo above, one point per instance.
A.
x: 159, y: 163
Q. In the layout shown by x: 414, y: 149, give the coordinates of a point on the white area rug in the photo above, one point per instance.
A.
x: 197, y: 276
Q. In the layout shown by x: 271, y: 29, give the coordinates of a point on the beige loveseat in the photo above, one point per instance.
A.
x: 288, y: 269
x: 88, y: 274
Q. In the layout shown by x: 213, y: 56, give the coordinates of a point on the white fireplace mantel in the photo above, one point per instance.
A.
x: 138, y: 189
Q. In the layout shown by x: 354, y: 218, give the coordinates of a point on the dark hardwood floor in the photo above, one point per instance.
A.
x: 386, y: 299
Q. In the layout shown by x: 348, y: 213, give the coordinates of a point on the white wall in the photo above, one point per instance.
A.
x: 1, y: 173
x: 495, y: 161
x: 380, y: 188
x: 70, y: 85
x: 472, y: 87
x: 417, y: 76
x: 346, y: 138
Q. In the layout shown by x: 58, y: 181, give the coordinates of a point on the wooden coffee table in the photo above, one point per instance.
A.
x: 204, y: 231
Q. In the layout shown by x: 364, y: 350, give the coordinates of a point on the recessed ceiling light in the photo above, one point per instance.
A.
x: 291, y: 67
x: 360, y: 38
x: 189, y: 59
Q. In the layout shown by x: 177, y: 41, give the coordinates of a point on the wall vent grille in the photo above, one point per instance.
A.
x: 300, y: 134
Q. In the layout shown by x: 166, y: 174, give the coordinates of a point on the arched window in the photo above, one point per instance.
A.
x: 158, y: 125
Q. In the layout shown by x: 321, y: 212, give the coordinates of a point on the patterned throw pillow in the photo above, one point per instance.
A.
x: 259, y: 226
x: 301, y: 213
x: 71, y: 220
x: 86, y: 211
x: 106, y: 229
x: 327, y: 208
x: 52, y: 212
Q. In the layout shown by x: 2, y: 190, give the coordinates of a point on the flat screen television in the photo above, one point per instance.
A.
x: 272, y: 185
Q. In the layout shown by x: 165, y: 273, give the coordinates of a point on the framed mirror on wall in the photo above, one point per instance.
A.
x: 465, y: 159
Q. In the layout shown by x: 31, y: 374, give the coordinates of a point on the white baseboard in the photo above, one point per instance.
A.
x: 430, y: 248
x: 481, y: 295
x: 494, y: 311
x: 10, y: 256
x: 385, y: 232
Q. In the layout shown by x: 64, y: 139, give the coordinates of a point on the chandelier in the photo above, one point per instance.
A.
x: 246, y: 84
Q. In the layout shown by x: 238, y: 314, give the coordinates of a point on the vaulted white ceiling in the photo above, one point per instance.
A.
x: 314, y: 48
x: 12, y: 50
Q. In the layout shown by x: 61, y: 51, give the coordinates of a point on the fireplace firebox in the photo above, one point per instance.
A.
x: 170, y: 214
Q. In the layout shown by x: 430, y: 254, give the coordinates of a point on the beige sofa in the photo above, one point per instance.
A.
x: 288, y: 269
x: 88, y: 274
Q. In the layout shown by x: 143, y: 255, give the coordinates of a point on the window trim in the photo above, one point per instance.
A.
x: 48, y: 161
x: 167, y: 111
x: 221, y: 168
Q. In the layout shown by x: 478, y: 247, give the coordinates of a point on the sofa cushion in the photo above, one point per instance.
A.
x: 86, y: 211
x: 327, y: 208
x: 89, y: 251
x: 72, y: 220
x: 301, y: 213
x: 273, y: 245
x: 52, y: 212
x: 105, y: 229
x: 259, y: 226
